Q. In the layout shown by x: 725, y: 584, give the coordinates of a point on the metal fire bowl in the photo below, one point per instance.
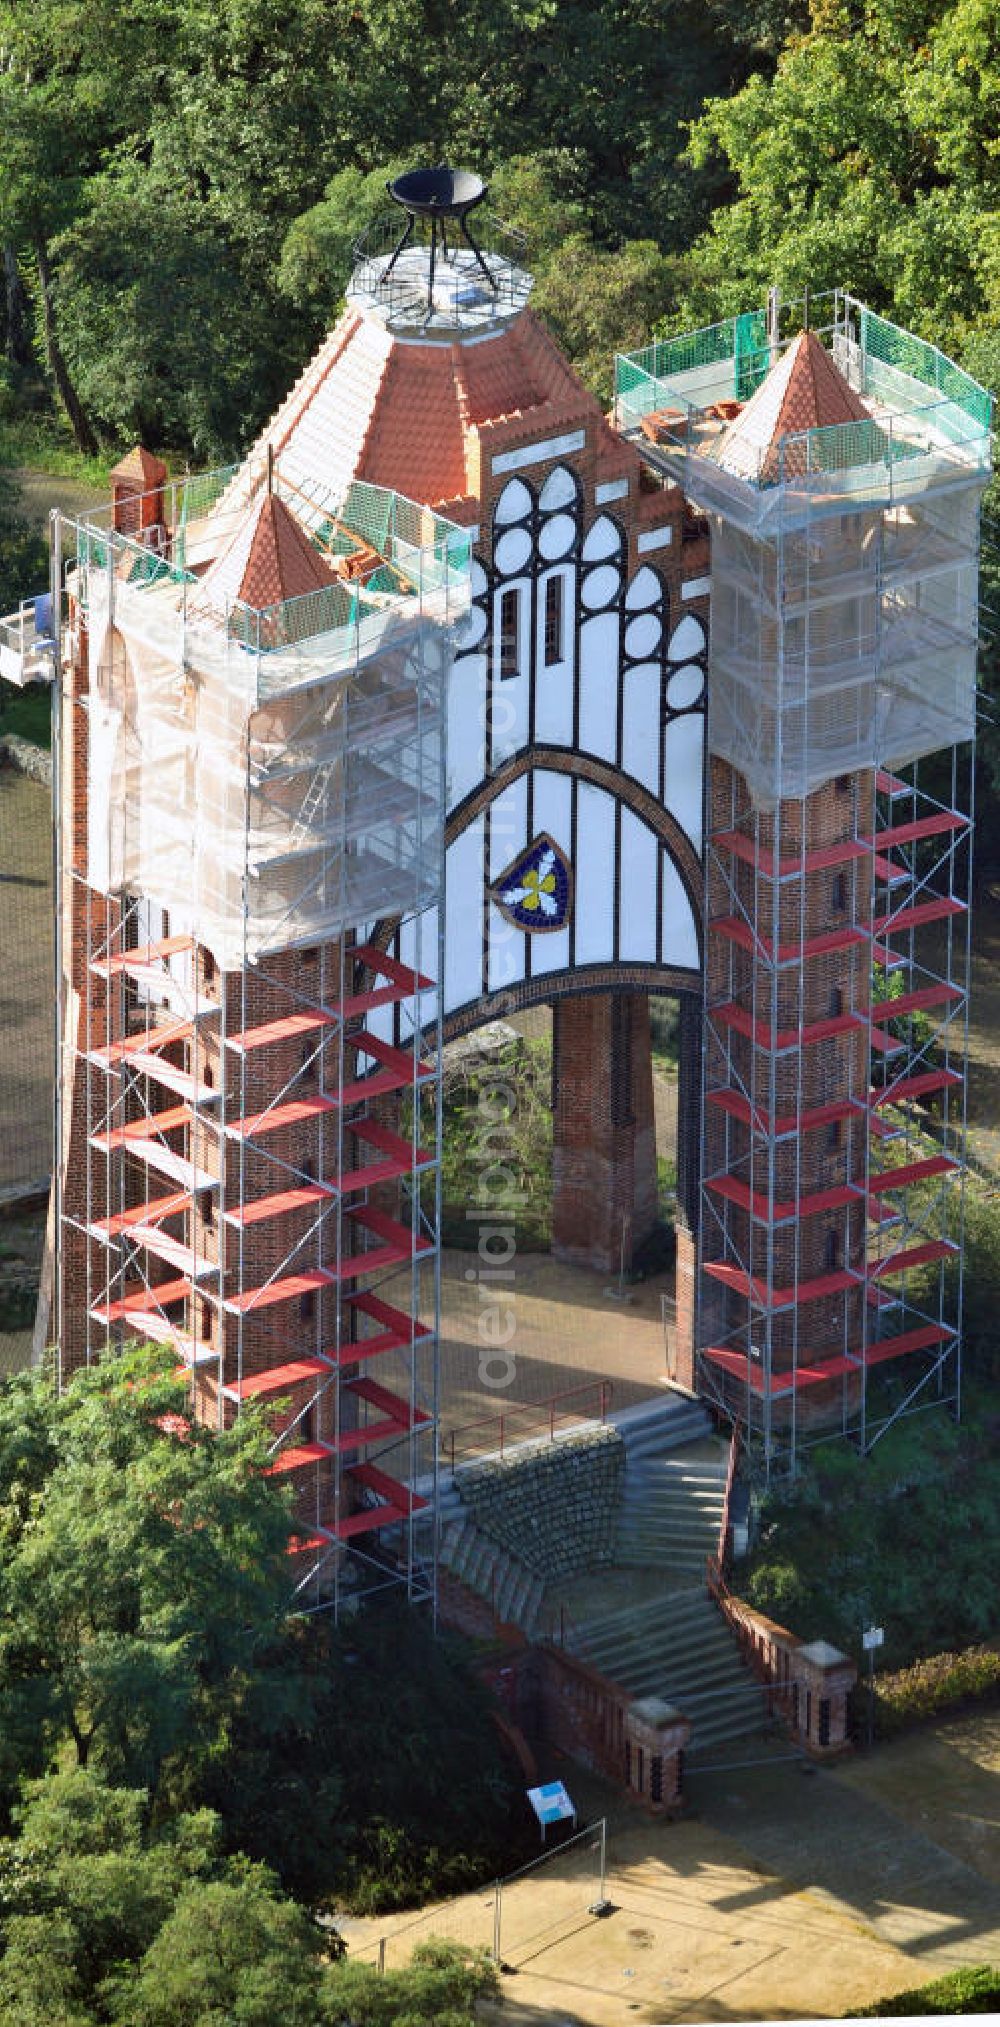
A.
x: 438, y: 193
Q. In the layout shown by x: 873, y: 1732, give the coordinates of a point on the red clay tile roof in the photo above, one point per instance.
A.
x: 141, y: 464
x: 803, y: 390
x: 270, y: 558
x: 415, y: 439
x: 817, y: 396
x: 282, y: 562
x: 407, y: 415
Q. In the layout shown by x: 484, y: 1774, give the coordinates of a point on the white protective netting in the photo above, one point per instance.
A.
x: 266, y: 797
x: 844, y: 643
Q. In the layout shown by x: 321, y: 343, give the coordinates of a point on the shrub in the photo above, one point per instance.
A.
x: 939, y: 1683
x: 778, y: 1591
x: 969, y: 1991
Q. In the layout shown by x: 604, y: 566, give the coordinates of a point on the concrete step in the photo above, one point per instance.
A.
x: 654, y: 1499
x: 692, y: 1679
x: 635, y: 1658
x: 670, y: 1497
x: 675, y: 1484
x: 660, y: 1424
x: 663, y: 1540
x: 744, y: 1719
x: 661, y: 1440
x: 680, y: 1648
x: 666, y: 1537
x: 679, y: 1607
x: 492, y: 1574
x: 687, y: 1564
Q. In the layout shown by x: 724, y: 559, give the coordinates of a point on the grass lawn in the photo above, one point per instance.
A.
x: 43, y: 442
x: 26, y: 712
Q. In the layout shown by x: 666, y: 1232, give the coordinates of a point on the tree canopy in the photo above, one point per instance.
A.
x: 142, y: 1576
x: 180, y: 185
x: 868, y: 160
x: 179, y: 1756
x: 146, y: 1635
x: 104, y: 1919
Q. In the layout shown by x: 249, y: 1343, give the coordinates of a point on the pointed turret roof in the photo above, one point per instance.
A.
x: 142, y: 465
x: 804, y: 390
x: 269, y: 560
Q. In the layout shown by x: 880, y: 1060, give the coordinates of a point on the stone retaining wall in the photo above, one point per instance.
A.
x: 552, y: 1504
x: 25, y: 758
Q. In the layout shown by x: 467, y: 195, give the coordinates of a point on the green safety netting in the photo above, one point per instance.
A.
x: 751, y: 353
x: 368, y: 511
x: 198, y: 496
x: 742, y: 339
x: 913, y: 356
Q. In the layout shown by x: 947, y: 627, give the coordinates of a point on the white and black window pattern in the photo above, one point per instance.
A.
x: 564, y: 652
x: 531, y: 602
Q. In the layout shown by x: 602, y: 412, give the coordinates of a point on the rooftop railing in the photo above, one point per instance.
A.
x: 417, y: 562
x: 396, y: 277
x: 680, y: 392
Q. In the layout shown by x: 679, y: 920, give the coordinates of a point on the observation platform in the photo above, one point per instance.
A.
x: 380, y: 563
x: 459, y: 303
x: 919, y: 422
x: 438, y: 276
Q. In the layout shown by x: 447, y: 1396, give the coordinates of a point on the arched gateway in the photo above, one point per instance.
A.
x: 576, y: 714
x: 412, y: 719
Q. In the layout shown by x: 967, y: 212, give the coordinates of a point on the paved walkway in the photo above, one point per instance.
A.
x: 567, y: 1332
x: 783, y: 1892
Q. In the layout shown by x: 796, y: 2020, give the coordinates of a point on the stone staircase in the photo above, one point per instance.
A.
x: 660, y: 1425
x: 493, y: 1574
x: 675, y: 1480
x: 680, y: 1648
x: 670, y: 1514
x: 674, y: 1644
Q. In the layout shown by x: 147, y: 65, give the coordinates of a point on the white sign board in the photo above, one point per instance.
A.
x: 872, y: 1637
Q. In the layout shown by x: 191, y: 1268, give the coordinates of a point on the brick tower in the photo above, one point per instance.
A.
x: 842, y: 469
x: 250, y: 792
x: 257, y: 668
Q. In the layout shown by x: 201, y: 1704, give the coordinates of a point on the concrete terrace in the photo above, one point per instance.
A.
x: 780, y: 1895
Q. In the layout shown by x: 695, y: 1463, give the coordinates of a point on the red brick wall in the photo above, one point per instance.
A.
x: 604, y: 1145
x: 817, y: 988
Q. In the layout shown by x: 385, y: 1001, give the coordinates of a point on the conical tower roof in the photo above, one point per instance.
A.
x: 804, y: 390
x: 269, y: 559
x: 141, y: 465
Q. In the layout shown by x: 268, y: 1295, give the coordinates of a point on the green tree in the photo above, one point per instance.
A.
x: 168, y: 331
x: 24, y: 556
x: 143, y: 1583
x: 387, y: 1795
x: 85, y: 1865
x: 867, y: 160
x: 232, y: 1953
x: 107, y: 1918
x: 441, y: 1984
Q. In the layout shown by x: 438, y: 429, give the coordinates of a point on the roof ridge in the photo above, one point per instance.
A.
x: 470, y: 429
x: 370, y: 433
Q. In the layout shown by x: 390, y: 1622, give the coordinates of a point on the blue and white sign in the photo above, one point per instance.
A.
x: 551, y: 1804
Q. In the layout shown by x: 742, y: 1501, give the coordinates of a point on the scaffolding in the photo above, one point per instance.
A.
x: 250, y: 803
x: 837, y: 863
